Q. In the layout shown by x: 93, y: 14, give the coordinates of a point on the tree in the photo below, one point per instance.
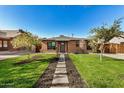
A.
x: 25, y: 40
x: 93, y: 44
x: 36, y: 41
x: 105, y: 32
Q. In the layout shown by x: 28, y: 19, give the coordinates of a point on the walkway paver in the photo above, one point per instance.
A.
x: 61, y: 70
x: 60, y: 78
x: 61, y: 65
x: 75, y: 80
x: 61, y: 74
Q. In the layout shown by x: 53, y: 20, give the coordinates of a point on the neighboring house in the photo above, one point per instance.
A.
x: 115, y: 45
x: 5, y: 38
x: 64, y: 44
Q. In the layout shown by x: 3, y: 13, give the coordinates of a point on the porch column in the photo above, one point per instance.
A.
x: 57, y: 46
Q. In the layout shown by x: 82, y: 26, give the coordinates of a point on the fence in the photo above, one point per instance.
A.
x: 114, y: 48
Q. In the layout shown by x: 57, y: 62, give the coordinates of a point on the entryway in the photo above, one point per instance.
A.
x: 62, y: 46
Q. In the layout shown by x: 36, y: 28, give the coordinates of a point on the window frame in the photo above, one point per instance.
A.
x: 77, y: 43
x: 4, y: 43
x: 50, y: 46
x: 1, y: 43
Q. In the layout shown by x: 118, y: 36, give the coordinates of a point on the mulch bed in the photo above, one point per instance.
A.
x: 45, y: 80
x: 75, y: 80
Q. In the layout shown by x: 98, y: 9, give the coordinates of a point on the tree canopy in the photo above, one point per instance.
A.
x: 105, y: 32
x: 25, y: 40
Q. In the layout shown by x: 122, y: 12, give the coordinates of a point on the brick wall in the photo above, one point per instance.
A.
x: 83, y: 46
x: 70, y: 46
x: 44, y: 46
x: 74, y: 49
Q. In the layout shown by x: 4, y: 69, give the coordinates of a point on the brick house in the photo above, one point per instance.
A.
x: 5, y: 38
x: 64, y: 44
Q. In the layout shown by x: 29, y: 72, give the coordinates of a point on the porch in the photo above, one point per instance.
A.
x: 57, y: 46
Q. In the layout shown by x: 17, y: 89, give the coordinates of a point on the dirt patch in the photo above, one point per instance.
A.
x: 75, y: 80
x: 45, y: 80
x: 24, y: 62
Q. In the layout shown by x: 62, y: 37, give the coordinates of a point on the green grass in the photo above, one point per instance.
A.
x: 24, y: 75
x: 109, y: 73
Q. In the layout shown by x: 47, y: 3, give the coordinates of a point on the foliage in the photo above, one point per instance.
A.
x: 93, y: 44
x: 105, y: 32
x: 25, y: 40
x: 36, y: 40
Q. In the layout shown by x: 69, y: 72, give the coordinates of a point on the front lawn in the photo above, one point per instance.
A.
x: 23, y: 75
x: 109, y: 73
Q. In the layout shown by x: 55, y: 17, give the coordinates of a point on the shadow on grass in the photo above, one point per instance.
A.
x: 113, y: 59
x: 36, y: 58
x: 45, y: 80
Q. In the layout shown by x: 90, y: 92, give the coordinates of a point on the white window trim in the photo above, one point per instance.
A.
x: 1, y: 44
x: 6, y: 43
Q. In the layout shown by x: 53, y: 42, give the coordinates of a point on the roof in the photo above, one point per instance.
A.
x: 63, y: 38
x: 117, y: 40
x: 9, y: 33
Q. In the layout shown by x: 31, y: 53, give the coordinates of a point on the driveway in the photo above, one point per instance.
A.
x: 2, y: 57
x: 117, y: 56
x: 10, y: 54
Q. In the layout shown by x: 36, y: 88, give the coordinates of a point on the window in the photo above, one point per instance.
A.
x: 51, y: 45
x: 5, y: 44
x: 0, y: 43
x: 77, y: 43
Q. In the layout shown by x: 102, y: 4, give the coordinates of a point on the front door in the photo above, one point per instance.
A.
x: 62, y: 46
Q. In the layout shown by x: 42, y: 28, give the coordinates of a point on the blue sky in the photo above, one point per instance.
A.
x: 49, y: 21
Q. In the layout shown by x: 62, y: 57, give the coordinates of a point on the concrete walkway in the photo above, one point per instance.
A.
x: 60, y: 78
x: 116, y: 56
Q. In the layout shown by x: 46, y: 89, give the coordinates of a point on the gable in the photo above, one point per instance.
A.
x: 117, y: 40
x: 9, y: 33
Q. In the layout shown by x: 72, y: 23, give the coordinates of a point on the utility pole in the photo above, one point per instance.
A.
x: 72, y: 34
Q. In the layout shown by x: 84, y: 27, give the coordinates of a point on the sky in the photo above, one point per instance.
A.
x: 50, y: 21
